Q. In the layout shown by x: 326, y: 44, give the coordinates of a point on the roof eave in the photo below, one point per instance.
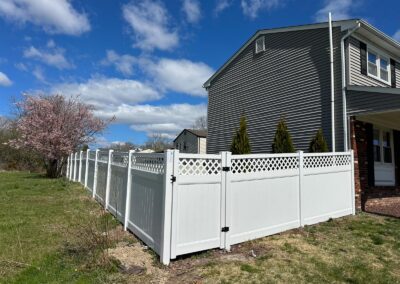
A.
x: 346, y: 23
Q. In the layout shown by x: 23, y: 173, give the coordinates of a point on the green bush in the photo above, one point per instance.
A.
x: 241, y: 141
x: 282, y: 140
x: 318, y: 143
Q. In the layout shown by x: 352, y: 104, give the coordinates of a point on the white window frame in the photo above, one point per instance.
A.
x: 383, y: 130
x: 262, y: 38
x: 379, y: 55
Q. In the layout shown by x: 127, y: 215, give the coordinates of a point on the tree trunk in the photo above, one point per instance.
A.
x: 52, y: 169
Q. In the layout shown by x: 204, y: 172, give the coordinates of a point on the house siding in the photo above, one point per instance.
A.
x: 364, y: 102
x: 191, y: 141
x: 202, y: 145
x: 358, y: 79
x: 291, y: 78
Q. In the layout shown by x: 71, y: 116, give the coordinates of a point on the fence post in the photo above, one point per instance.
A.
x: 87, y: 167
x: 174, y: 203
x: 75, y: 164
x: 301, y: 178
x: 226, y: 161
x: 128, y: 191
x: 96, y: 165
x: 352, y: 188
x: 80, y: 166
x: 67, y: 173
x: 170, y: 156
x: 108, y: 178
x: 72, y: 167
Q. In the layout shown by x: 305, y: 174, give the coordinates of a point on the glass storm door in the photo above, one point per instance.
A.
x: 384, y: 157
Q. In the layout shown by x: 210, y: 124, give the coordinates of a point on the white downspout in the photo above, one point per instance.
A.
x: 344, y: 84
x: 332, y: 84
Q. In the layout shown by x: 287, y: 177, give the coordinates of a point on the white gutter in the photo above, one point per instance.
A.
x: 344, y: 84
x: 332, y: 85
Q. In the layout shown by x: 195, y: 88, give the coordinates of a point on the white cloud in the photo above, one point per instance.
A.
x: 191, y: 8
x: 251, y: 8
x: 340, y: 9
x: 39, y: 74
x: 221, y: 6
x: 52, y: 57
x: 179, y: 75
x: 4, y: 80
x: 167, y: 119
x: 21, y: 66
x: 107, y: 93
x: 123, y: 63
x: 150, y: 23
x: 55, y: 17
x: 396, y: 36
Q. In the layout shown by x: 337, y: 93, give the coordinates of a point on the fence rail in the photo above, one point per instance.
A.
x: 182, y: 203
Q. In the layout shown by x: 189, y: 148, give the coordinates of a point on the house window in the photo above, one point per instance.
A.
x: 383, y: 152
x: 377, y: 146
x: 378, y: 66
x: 260, y: 44
x: 387, y: 148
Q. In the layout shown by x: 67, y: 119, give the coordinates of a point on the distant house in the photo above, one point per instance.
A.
x: 344, y: 80
x: 191, y: 141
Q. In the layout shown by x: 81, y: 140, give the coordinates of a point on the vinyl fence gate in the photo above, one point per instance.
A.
x: 183, y: 203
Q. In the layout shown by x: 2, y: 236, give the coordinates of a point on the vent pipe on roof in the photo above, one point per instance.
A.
x: 332, y: 84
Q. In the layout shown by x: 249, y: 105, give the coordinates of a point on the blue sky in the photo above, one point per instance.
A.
x: 145, y: 61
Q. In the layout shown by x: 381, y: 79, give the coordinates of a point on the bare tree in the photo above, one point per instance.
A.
x: 4, y: 123
x: 200, y: 123
x: 158, y: 142
x: 122, y: 146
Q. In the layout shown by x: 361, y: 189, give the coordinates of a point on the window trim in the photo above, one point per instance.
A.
x: 382, y: 130
x: 263, y: 44
x: 379, y: 54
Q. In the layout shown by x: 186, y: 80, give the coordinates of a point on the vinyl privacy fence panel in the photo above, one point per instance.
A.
x: 182, y: 203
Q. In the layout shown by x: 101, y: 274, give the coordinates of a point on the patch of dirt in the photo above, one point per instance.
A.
x: 136, y: 259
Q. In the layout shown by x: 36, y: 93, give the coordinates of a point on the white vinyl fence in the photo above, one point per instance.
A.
x: 182, y: 203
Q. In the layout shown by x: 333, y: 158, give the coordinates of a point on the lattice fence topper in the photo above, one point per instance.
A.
x: 326, y: 161
x: 267, y: 164
x: 92, y: 155
x: 148, y: 162
x: 103, y: 156
x: 199, y: 167
x: 120, y: 159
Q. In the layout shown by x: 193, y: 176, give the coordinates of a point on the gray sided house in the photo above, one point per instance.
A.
x: 191, y: 141
x: 287, y: 72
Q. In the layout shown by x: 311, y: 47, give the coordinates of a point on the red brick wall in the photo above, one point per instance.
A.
x: 363, y: 191
x: 359, y: 145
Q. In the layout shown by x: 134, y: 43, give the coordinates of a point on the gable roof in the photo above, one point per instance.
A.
x: 344, y: 24
x: 196, y: 132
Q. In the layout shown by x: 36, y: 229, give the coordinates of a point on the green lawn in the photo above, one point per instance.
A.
x: 52, y: 232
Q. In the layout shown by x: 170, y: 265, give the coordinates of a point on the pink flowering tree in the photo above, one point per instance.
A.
x: 53, y: 127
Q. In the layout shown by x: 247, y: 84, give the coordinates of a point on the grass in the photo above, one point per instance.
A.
x: 52, y: 232
x: 42, y: 221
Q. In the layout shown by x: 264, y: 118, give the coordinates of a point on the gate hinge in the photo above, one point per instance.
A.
x: 226, y: 169
x: 225, y: 229
x: 173, y: 178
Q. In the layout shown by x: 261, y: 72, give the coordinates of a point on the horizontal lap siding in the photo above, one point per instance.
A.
x: 291, y: 78
x: 364, y: 102
x: 358, y: 79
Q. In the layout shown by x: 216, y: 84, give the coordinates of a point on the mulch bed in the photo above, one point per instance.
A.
x: 389, y: 206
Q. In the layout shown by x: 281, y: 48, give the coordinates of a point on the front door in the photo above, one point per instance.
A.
x: 384, y: 157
